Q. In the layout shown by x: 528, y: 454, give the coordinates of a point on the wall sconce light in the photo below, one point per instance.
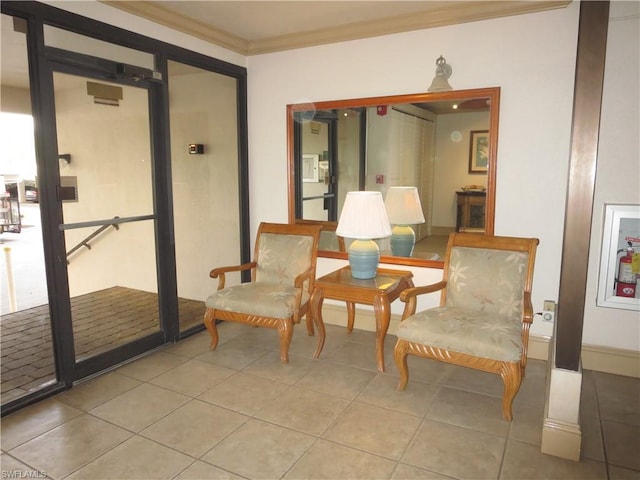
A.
x: 65, y: 156
x: 363, y: 218
x: 441, y: 80
x: 404, y: 209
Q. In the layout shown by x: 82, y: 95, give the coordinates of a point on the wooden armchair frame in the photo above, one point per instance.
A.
x: 511, y: 373
x: 301, y: 308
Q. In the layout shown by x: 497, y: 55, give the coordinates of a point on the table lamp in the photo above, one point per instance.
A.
x: 403, y: 209
x: 363, y: 218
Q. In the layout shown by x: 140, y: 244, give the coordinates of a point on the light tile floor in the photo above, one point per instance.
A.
x: 185, y: 412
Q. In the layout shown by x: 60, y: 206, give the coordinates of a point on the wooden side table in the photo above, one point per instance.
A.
x: 470, y: 216
x: 379, y: 292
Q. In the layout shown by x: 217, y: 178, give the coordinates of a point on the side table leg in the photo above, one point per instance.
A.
x: 315, y: 310
x: 382, y: 311
x: 351, y: 316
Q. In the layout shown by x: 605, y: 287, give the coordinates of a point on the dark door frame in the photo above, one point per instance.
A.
x: 100, y: 69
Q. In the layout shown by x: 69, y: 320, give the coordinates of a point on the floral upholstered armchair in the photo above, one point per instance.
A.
x: 282, y: 276
x: 484, y: 315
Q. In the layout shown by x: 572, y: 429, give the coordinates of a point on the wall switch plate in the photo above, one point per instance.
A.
x: 549, y: 311
x: 196, y: 148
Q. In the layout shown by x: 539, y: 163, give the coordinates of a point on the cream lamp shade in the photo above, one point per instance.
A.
x: 363, y: 218
x: 403, y: 209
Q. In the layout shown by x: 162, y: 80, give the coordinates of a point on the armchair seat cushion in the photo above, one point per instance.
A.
x: 257, y: 298
x: 476, y: 333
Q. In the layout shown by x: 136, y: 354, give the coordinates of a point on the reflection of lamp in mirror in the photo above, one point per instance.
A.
x: 403, y: 209
x: 441, y: 80
x: 363, y: 218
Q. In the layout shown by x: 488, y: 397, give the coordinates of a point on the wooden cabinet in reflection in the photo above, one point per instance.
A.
x: 470, y: 215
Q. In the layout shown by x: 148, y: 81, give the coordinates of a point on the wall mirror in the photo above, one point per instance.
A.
x: 442, y: 143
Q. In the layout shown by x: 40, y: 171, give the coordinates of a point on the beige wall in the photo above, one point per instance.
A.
x: 15, y: 100
x: 205, y: 187
x: 530, y: 57
x: 618, y: 170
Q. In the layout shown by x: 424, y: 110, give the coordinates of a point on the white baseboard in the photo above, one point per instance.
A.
x: 611, y: 360
x: 365, y: 319
x: 561, y: 439
x: 538, y: 347
x: 594, y: 357
x: 442, y: 230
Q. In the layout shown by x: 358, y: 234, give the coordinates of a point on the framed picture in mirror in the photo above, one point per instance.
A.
x: 478, y: 151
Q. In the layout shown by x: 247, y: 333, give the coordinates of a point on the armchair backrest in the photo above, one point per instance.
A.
x: 328, y: 238
x: 488, y: 273
x: 284, y: 251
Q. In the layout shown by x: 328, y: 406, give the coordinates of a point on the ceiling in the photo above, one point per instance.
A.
x: 254, y: 27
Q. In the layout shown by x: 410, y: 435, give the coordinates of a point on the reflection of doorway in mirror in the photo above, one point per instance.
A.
x: 315, y: 141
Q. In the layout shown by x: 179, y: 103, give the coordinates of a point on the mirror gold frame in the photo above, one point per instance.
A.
x: 492, y: 95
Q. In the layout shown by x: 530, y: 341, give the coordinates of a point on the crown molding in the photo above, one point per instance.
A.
x: 450, y: 14
x: 163, y: 16
x: 454, y: 13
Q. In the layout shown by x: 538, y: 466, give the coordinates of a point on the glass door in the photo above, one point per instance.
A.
x: 106, y: 193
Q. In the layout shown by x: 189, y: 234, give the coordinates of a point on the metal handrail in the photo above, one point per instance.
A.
x: 85, y: 242
x: 113, y: 221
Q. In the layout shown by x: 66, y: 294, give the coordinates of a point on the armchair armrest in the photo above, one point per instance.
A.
x: 410, y: 296
x: 527, y: 308
x: 305, y: 276
x: 220, y: 272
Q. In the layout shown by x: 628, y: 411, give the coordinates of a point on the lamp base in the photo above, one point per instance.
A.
x: 364, y: 256
x: 403, y: 238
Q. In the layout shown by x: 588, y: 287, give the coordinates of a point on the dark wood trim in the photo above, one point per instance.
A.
x: 243, y: 172
x: 590, y: 62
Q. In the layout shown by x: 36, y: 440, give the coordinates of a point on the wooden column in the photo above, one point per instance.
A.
x: 592, y: 40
